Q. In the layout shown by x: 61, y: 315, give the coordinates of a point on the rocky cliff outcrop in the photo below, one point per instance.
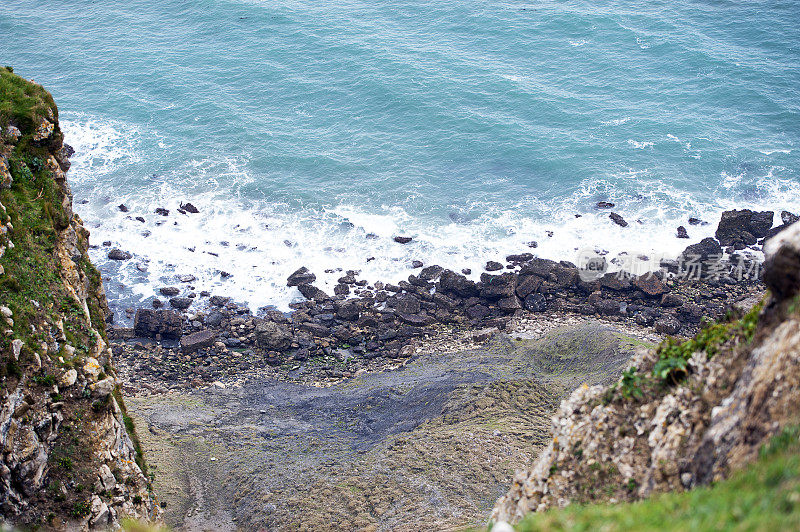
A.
x: 68, y: 460
x: 682, y: 415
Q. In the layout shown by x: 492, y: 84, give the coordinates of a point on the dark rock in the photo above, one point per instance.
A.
x: 466, y: 271
x: 162, y: 211
x: 219, y: 301
x: 694, y: 221
x: 566, y: 276
x: 118, y: 254
x: 497, y: 286
x: 521, y: 257
x: 139, y: 219
x: 617, y: 219
x: 668, y: 325
x: 316, y: 329
x: 535, y: 303
x: 444, y: 302
x: 788, y: 218
x: 180, y: 303
x: 199, y: 340
x: 650, y: 284
x: 537, y: 266
x: 214, y: 318
x: 122, y: 207
x: 477, y: 312
x: 429, y: 273
x: 452, y: 283
x: 493, y: 266
x: 270, y: 335
x: 671, y: 300
x: 188, y: 207
x: 169, y: 291
x: 605, y: 205
x: 300, y: 277
x: 608, y: 307
x: 403, y: 239
x: 734, y: 223
x: 415, y: 320
x: 157, y: 303
x: 416, y: 264
x: 509, y: 304
x: 532, y: 244
x: 407, y: 304
x: 617, y: 281
x: 527, y: 285
x: 148, y: 323
x: 312, y: 292
x: 708, y: 247
x: 348, y: 311
x: 691, y: 312
x: 341, y: 289
x: 682, y: 233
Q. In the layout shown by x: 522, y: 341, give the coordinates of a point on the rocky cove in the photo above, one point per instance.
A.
x: 382, y: 406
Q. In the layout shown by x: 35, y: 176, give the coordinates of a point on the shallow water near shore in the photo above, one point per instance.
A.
x: 311, y: 133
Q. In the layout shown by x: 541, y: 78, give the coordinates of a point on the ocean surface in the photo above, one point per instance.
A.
x: 312, y: 132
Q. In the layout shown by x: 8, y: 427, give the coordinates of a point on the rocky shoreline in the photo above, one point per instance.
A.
x: 366, y: 326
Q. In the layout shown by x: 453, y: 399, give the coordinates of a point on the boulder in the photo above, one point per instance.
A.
x: 149, y: 322
x: 429, y: 273
x: 118, y: 254
x: 300, y: 277
x: 740, y: 225
x: 451, y: 282
x: 535, y: 303
x: 312, y: 292
x: 180, y: 303
x: 650, y: 284
x: 188, y: 207
x: 682, y: 233
x: 782, y: 264
x: 406, y: 304
x: 199, y: 340
x: 270, y: 335
x: 493, y: 266
x: 497, y: 286
x: 348, y: 311
x: 537, y: 266
x: 617, y: 219
x: 704, y: 249
x: 169, y: 291
x: 527, y: 285
x: 402, y: 239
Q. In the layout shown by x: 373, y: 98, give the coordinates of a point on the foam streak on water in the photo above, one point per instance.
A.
x: 311, y: 133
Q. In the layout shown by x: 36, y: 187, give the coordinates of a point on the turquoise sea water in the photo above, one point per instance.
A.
x: 300, y: 127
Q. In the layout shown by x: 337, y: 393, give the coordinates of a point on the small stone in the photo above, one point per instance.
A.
x: 5, y: 311
x: 16, y: 348
x: 403, y: 239
x: 68, y: 378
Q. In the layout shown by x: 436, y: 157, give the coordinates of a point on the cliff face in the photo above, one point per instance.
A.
x: 684, y: 414
x: 68, y: 459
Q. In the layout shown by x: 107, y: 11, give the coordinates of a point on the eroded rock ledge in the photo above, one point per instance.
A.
x: 683, y: 415
x: 68, y: 460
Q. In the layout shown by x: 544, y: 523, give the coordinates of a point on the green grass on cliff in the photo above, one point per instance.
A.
x: 21, y: 100
x: 763, y: 496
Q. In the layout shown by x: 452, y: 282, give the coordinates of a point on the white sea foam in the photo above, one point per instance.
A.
x: 784, y: 151
x: 640, y: 145
x: 260, y: 242
x: 616, y: 121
